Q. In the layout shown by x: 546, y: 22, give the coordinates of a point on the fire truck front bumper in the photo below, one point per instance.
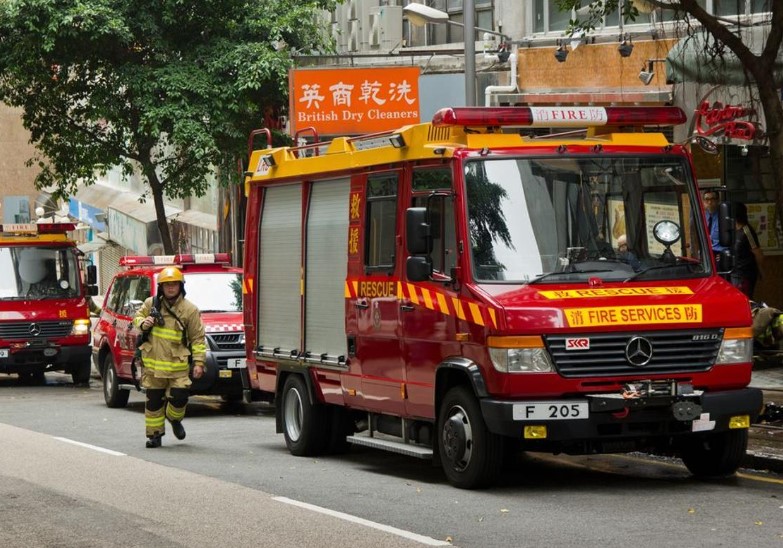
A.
x: 617, y: 417
x: 44, y: 356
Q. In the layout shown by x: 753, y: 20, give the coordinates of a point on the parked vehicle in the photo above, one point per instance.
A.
x: 213, y: 285
x: 451, y: 288
x: 44, y: 318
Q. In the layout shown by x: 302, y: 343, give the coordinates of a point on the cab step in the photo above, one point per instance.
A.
x: 418, y: 451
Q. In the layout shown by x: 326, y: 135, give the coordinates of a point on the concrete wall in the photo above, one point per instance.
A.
x: 15, y: 149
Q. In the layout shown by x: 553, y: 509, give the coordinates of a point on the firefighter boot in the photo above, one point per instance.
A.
x: 178, y: 429
x: 154, y: 441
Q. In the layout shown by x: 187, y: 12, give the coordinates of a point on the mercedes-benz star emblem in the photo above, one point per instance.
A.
x: 35, y: 329
x: 638, y: 351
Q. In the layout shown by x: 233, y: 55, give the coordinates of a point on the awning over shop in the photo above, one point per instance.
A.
x: 105, y: 197
x: 652, y: 97
x: 92, y: 246
x: 692, y: 60
x: 197, y: 218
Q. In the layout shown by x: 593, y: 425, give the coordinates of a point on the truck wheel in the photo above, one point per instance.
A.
x: 470, y: 454
x: 305, y: 425
x: 715, y: 455
x: 341, y: 426
x: 114, y: 395
x: 81, y: 372
x: 36, y: 378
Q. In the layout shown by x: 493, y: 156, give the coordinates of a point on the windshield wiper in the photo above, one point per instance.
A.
x: 567, y: 272
x: 657, y: 267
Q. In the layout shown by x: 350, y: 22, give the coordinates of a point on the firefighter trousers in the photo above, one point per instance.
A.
x: 167, y: 398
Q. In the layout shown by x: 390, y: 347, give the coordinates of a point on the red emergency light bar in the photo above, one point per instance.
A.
x: 38, y: 228
x: 574, y: 116
x: 156, y: 260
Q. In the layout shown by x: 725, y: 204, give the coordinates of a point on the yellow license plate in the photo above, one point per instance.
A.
x: 226, y: 373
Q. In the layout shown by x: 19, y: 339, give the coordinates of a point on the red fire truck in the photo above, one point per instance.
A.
x: 44, y: 317
x: 456, y: 287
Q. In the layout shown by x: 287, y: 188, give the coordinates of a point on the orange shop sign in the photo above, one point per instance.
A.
x: 352, y: 101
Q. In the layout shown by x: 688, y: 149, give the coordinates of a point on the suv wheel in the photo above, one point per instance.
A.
x: 112, y: 393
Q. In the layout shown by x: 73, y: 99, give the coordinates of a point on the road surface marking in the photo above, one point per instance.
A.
x: 93, y: 447
x: 361, y: 521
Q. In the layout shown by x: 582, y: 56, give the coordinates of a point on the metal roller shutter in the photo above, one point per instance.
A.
x: 326, y: 268
x: 278, y: 283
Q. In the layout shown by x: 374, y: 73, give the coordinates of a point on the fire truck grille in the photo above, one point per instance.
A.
x: 227, y: 341
x: 608, y: 354
x: 35, y: 330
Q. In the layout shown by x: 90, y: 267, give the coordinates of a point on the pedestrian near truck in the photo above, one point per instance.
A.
x: 173, y: 339
x: 748, y: 256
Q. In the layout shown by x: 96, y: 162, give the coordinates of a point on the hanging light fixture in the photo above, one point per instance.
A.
x: 626, y: 46
x: 561, y: 53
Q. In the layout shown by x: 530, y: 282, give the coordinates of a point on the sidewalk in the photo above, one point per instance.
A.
x: 765, y: 447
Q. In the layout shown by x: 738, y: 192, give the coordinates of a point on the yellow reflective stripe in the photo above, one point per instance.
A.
x: 152, y: 422
x: 175, y: 415
x: 168, y: 334
x: 199, y: 348
x: 161, y: 365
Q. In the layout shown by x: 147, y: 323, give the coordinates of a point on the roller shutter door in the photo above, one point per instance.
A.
x: 280, y: 264
x: 326, y: 268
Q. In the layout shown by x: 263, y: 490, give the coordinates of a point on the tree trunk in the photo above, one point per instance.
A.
x: 160, y: 211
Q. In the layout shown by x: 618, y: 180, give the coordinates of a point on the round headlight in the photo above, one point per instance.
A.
x: 666, y: 232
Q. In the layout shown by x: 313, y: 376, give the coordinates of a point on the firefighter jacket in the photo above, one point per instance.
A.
x: 167, y: 350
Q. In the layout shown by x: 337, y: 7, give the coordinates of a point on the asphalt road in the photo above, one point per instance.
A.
x: 232, y: 482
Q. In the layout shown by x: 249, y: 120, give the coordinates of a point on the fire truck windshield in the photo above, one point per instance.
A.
x: 34, y: 272
x: 214, y: 291
x: 558, y: 220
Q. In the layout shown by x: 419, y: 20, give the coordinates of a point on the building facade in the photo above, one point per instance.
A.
x: 523, y: 56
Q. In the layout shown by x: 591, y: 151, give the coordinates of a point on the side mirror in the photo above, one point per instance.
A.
x: 92, y: 275
x: 725, y: 261
x: 417, y: 231
x: 92, y: 290
x: 725, y: 225
x: 418, y: 269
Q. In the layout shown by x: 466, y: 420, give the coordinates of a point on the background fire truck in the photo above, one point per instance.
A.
x: 454, y: 289
x: 44, y: 317
x: 213, y: 285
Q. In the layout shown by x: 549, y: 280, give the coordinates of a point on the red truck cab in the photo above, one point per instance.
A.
x: 213, y: 285
x: 44, y: 317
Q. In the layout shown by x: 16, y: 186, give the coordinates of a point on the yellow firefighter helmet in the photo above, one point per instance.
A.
x: 171, y: 274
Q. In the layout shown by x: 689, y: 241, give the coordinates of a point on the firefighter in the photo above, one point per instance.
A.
x: 173, y: 338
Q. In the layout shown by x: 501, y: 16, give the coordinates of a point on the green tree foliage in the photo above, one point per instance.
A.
x: 169, y: 89
x: 759, y: 68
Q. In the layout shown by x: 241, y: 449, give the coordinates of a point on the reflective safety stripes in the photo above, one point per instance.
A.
x: 175, y: 413
x: 166, y: 333
x: 161, y: 365
x: 440, y: 301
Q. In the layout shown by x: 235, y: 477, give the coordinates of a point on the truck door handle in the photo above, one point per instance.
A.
x: 362, y: 304
x: 406, y: 306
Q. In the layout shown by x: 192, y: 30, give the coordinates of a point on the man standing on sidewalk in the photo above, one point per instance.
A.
x: 173, y: 337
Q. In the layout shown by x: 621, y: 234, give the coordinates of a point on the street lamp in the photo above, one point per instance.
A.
x: 419, y: 15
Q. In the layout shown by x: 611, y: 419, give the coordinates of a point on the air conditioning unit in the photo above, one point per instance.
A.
x: 385, y: 31
x: 341, y: 30
x: 355, y: 36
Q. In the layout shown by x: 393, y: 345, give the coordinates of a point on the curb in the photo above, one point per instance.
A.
x: 757, y: 460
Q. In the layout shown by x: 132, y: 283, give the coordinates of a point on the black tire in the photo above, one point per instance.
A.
x: 470, y: 454
x: 81, y: 372
x: 305, y: 425
x: 114, y: 396
x: 715, y: 455
x: 341, y: 426
x: 35, y: 378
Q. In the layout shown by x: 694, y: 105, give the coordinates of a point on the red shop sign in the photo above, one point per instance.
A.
x: 720, y: 119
